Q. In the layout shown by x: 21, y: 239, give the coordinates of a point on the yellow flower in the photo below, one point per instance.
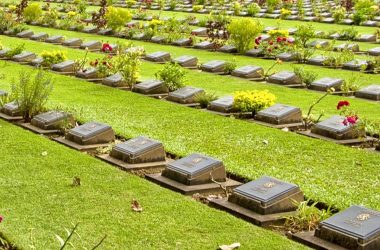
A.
x: 71, y: 13
x: 318, y: 46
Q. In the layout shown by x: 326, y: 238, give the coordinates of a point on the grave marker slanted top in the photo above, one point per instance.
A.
x: 184, y: 95
x: 280, y: 114
x: 11, y: 109
x: 249, y: 71
x: 214, y: 66
x: 51, y: 120
x: 267, y: 195
x: 139, y: 150
x: 195, y: 169
x: 66, y: 66
x: 371, y: 92
x: 159, y: 56
x: 326, y: 83
x: 224, y: 104
x: 356, y: 227
x: 186, y: 61
x: 91, y: 133
x: 285, y: 78
x: 150, y: 87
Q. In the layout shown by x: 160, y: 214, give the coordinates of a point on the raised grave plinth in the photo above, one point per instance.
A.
x: 280, y: 116
x: 90, y: 30
x: 39, y: 36
x: 91, y: 45
x: 115, y: 80
x: 326, y: 83
x: 357, y: 227
x: 159, y: 57
x: 224, y: 104
x: 318, y: 43
x: 185, y: 95
x: 88, y: 74
x: 371, y: 92
x: 334, y: 129
x: 354, y: 47
x: 265, y: 201
x: 88, y: 136
x: 183, y: 42
x: 374, y: 51
x: 285, y: 78
x: 207, y: 45
x: 58, y: 39
x: 66, y: 67
x: 25, y: 34
x: 139, y: 153
x: 195, y: 173
x: 24, y: 57
x: 73, y: 42
x: 151, y: 87
x: 317, y: 60
x: 199, y: 32
x: 187, y: 61
x: 11, y: 111
x: 249, y: 72
x: 49, y: 122
x: 158, y: 39
x: 228, y: 49
x: 356, y: 65
x: 214, y: 66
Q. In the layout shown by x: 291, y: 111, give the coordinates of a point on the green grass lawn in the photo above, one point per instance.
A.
x: 326, y: 172
x: 224, y: 85
x: 37, y: 202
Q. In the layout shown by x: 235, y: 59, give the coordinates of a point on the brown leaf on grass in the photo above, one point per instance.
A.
x: 136, y: 206
x: 76, y: 182
x: 230, y: 247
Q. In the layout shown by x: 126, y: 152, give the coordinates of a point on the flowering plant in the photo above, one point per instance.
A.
x: 351, y: 118
x: 253, y: 100
x: 103, y: 66
x: 106, y: 47
x: 273, y: 46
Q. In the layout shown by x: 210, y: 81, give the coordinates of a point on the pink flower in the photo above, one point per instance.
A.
x: 350, y: 120
x: 106, y: 47
x: 342, y: 104
x: 1, y: 218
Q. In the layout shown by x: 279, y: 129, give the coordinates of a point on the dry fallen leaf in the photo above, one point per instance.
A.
x: 136, y: 206
x: 230, y: 247
x: 76, y: 181
x: 45, y: 153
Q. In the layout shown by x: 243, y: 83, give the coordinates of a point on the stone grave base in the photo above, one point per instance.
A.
x: 244, y: 115
x: 342, y: 142
x: 159, y: 165
x: 38, y: 130
x: 279, y: 126
x: 10, y: 118
x: 209, y: 188
x: 308, y: 238
x: 88, y: 148
x: 191, y: 105
x: 249, y: 215
x: 63, y: 73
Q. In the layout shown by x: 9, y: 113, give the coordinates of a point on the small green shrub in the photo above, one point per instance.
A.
x: 306, y: 218
x: 128, y: 65
x: 31, y: 92
x: 253, y: 9
x: 304, y: 33
x: 15, y: 50
x: 253, y: 100
x: 173, y: 76
x: 53, y: 57
x: 338, y: 14
x: 33, y: 12
x: 306, y: 76
x: 243, y: 32
x: 204, y: 98
x: 117, y: 17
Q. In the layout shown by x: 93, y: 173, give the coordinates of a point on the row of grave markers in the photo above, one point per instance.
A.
x: 264, y: 201
x: 308, y: 15
x: 285, y: 78
x: 277, y: 116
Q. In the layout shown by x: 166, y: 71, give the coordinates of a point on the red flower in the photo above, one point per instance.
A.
x: 279, y: 39
x: 106, y: 47
x: 257, y: 41
x: 342, y: 104
x: 269, y: 50
x: 284, y: 39
x: 1, y: 218
x: 259, y: 38
x: 271, y: 42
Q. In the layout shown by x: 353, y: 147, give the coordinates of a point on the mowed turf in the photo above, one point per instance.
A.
x: 326, y: 172
x: 38, y: 201
x: 224, y: 85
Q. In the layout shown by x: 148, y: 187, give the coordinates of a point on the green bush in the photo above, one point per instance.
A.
x: 15, y: 50
x: 32, y: 92
x: 204, y: 98
x: 33, y: 12
x: 173, y: 76
x: 117, y: 17
x: 243, y: 32
x: 304, y: 33
x: 253, y: 100
x: 306, y: 76
x: 52, y: 57
x: 128, y: 65
x: 253, y: 9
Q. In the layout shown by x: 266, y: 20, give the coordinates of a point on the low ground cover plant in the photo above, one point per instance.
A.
x: 253, y: 100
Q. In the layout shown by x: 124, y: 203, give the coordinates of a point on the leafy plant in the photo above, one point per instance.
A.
x: 52, y: 57
x: 128, y: 65
x: 6, y: 20
x: 33, y: 12
x: 306, y: 76
x: 304, y: 33
x: 230, y: 66
x: 117, y: 17
x: 50, y: 18
x: 351, y: 83
x: 253, y: 9
x: 349, y: 33
x: 338, y: 14
x: 253, y: 100
x: 15, y: 50
x: 173, y: 76
x: 204, y: 98
x: 307, y: 217
x: 32, y: 92
x: 308, y: 118
x: 243, y: 32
